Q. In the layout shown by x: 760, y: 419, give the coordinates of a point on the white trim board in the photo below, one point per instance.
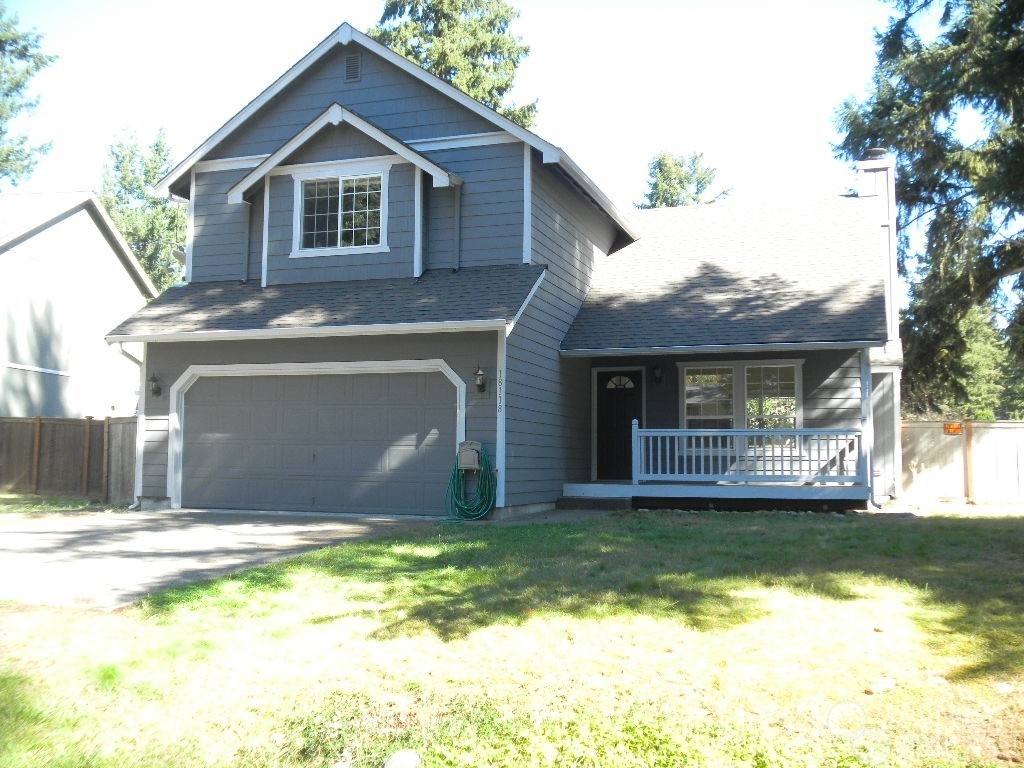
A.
x: 714, y: 491
x: 463, y: 141
x: 176, y: 415
x: 418, y: 218
x: 499, y: 427
x: 511, y: 326
x: 229, y: 164
x: 527, y: 204
x: 317, y: 331
x: 35, y: 369
x: 140, y: 426
x: 697, y: 349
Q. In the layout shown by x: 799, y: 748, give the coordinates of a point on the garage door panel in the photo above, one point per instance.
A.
x: 297, y: 388
x: 231, y: 388
x: 333, y: 420
x: 405, y: 388
x: 334, y: 390
x: 297, y: 419
x: 296, y: 458
x: 333, y: 458
x: 370, y: 388
x: 367, y: 423
x: 266, y: 389
x: 346, y: 442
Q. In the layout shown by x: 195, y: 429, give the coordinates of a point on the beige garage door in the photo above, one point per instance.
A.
x: 381, y: 443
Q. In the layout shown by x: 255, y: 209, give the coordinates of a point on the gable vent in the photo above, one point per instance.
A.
x: 353, y: 67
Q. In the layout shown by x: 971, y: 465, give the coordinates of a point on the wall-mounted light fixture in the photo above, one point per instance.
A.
x: 656, y: 372
x: 154, y: 386
x: 480, y: 378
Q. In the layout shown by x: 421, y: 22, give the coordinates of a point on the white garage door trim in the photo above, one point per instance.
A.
x: 195, y: 372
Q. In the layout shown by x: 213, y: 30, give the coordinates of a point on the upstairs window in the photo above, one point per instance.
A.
x: 342, y: 213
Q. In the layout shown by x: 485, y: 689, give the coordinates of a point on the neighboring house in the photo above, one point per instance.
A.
x: 379, y: 267
x: 68, y: 277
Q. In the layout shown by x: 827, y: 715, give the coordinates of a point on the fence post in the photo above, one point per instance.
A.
x: 106, y: 461
x: 37, y: 439
x: 85, y: 456
x: 969, y: 461
x: 636, y: 452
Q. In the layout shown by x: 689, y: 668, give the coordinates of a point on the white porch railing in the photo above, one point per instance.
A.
x: 797, y: 456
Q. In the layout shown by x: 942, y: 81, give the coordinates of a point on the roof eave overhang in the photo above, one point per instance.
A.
x: 91, y: 205
x: 377, y: 329
x: 697, y: 349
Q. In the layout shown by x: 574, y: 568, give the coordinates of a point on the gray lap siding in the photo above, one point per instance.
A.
x: 391, y: 99
x: 547, y: 427
x: 463, y: 352
x: 491, y: 207
x: 219, y: 236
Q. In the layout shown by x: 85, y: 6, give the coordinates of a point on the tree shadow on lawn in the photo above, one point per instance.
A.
x: 966, y: 573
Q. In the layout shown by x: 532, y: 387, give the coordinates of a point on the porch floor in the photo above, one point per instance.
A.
x: 627, y: 490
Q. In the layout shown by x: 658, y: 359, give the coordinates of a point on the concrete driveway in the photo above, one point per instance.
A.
x: 107, y: 560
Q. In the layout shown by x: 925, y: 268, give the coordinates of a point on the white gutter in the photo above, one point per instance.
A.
x: 379, y: 329
x: 698, y: 348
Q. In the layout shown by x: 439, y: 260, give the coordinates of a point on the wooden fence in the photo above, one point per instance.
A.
x: 973, y: 460
x: 82, y: 457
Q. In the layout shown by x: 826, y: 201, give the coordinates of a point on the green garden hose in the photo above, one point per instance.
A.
x: 474, y: 506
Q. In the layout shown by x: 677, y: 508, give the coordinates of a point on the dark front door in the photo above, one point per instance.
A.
x: 619, y: 401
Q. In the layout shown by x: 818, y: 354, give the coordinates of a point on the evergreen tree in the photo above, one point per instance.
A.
x: 680, y: 180
x: 464, y: 42
x: 990, y: 383
x: 950, y: 106
x: 20, y: 60
x: 153, y: 226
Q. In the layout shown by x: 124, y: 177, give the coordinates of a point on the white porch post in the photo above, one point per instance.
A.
x: 636, y: 452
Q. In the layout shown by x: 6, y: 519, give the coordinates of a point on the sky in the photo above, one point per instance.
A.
x: 753, y: 85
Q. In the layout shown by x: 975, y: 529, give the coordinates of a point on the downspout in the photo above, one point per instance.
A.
x: 867, y: 437
x: 129, y: 355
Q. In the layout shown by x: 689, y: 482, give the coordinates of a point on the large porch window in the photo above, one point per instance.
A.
x: 761, y: 395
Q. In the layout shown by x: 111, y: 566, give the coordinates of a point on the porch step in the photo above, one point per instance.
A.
x: 582, y: 502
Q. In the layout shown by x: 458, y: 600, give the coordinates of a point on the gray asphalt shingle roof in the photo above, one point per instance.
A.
x: 731, y: 274
x: 472, y: 294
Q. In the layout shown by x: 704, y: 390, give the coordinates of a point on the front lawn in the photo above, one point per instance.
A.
x: 637, y: 639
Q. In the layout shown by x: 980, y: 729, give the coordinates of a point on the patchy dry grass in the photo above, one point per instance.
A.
x: 33, y: 504
x: 640, y: 639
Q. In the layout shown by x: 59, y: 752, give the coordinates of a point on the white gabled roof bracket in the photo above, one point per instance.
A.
x: 336, y: 115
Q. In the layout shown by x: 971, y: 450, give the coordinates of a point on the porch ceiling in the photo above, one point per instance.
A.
x: 740, y: 276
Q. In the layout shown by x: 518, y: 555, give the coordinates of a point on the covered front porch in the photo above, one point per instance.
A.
x: 743, y: 426
x: 806, y: 464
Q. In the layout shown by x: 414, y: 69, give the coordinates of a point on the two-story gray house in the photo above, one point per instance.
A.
x: 380, y: 267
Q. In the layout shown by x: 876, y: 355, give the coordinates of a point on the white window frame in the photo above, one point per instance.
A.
x: 739, y: 386
x: 339, y: 172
